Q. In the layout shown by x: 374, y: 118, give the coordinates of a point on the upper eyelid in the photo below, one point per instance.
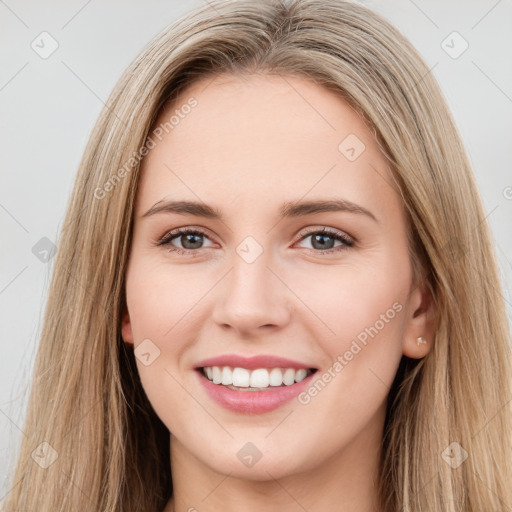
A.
x: 175, y: 233
x: 326, y: 229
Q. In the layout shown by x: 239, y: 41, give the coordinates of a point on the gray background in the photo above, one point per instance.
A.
x: 48, y: 108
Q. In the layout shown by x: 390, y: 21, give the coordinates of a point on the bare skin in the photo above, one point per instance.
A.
x: 250, y: 145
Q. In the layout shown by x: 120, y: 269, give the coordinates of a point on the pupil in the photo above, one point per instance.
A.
x: 322, y: 244
x: 187, y: 239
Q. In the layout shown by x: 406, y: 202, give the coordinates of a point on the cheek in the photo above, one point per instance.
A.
x: 362, y: 357
x: 362, y: 325
x: 158, y: 302
x: 345, y: 301
x: 158, y: 298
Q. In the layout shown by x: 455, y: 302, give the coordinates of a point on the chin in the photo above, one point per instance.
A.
x: 259, y: 460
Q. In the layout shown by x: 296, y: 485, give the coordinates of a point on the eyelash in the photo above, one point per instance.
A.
x: 167, y: 238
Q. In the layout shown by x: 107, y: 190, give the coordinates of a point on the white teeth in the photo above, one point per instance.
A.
x: 276, y: 377
x: 300, y: 375
x: 259, y: 378
x: 241, y: 377
x: 289, y: 376
x: 216, y: 375
x: 227, y: 376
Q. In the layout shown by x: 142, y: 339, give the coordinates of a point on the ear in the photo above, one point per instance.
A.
x: 421, y: 324
x: 126, y: 328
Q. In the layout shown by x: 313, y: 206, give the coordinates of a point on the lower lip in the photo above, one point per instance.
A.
x: 252, y: 402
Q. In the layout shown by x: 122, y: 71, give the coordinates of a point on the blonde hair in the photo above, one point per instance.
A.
x: 87, y: 401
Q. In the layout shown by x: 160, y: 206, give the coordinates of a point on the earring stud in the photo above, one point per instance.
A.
x: 420, y: 341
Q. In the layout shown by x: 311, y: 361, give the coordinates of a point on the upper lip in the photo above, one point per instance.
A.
x: 253, y: 362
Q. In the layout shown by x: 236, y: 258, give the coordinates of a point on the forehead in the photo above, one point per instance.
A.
x: 262, y: 136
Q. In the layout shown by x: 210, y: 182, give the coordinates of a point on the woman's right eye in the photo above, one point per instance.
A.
x: 191, y: 238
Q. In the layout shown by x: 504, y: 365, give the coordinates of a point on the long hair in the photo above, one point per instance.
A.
x: 87, y: 407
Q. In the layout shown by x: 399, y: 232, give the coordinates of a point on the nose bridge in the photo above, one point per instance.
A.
x: 252, y: 295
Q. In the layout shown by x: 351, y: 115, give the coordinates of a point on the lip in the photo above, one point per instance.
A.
x: 253, y: 362
x: 252, y: 402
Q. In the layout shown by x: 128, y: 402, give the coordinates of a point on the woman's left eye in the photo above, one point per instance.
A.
x: 190, y: 240
x: 324, y: 238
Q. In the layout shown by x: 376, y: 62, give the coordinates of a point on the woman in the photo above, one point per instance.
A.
x: 275, y: 288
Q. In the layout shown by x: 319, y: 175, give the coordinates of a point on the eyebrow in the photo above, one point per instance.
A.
x: 288, y: 209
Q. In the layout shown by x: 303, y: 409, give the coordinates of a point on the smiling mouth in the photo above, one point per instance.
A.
x: 260, y: 379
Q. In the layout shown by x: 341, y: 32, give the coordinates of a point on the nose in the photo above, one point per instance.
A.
x: 252, y: 297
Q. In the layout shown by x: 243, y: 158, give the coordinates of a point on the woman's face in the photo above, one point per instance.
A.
x: 258, y: 156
